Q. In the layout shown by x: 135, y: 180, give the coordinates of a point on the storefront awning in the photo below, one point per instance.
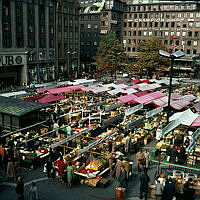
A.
x: 186, y: 117
x: 65, y: 89
x: 149, y: 97
x: 197, y: 107
x: 49, y: 98
x: 127, y: 98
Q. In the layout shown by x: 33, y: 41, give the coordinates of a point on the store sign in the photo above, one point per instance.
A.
x: 159, y: 20
x: 10, y: 60
x: 154, y: 112
x: 132, y: 110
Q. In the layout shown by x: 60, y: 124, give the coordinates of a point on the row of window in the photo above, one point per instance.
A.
x: 162, y: 24
x: 90, y: 17
x: 166, y: 15
x: 171, y: 7
x: 95, y: 26
x: 162, y: 33
x: 82, y: 35
x: 89, y: 43
x: 166, y: 42
x: 188, y: 52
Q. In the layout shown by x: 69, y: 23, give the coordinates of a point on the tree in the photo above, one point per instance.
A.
x: 148, y: 59
x: 110, y: 53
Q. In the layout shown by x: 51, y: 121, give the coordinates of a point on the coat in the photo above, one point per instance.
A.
x: 159, y: 189
x: 33, y: 193
x: 11, y: 169
x: 20, y: 188
x: 118, y: 168
x: 144, y: 182
x: 70, y: 173
x: 169, y: 191
x: 122, y: 179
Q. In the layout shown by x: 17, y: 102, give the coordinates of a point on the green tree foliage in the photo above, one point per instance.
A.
x: 148, y: 58
x: 110, y: 53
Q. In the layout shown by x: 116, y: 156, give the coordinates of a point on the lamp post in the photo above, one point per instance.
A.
x: 172, y: 57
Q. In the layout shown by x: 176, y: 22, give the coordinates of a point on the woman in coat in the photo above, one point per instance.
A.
x: 70, y: 174
x: 117, y: 169
x: 11, y: 168
x: 33, y: 192
x: 122, y: 178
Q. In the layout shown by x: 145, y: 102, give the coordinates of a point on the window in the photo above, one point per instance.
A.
x: 135, y: 16
x: 124, y: 33
x: 178, y: 24
x: 172, y: 33
x: 130, y: 24
x: 129, y: 41
x: 190, y: 24
x: 161, y: 24
x: 129, y: 33
x: 196, y: 34
x: 197, y: 25
x: 135, y: 24
x: 134, y: 33
x: 166, y: 33
x: 189, y: 43
x: 139, y: 33
x: 125, y: 24
x: 82, y: 25
x: 188, y: 51
x: 165, y: 42
x: 172, y: 24
x: 95, y: 26
x: 198, y: 14
x: 179, y: 15
x: 195, y: 43
x: 178, y: 34
x: 167, y: 24
x: 183, y: 34
x: 190, y: 34
x: 177, y: 42
x: 133, y: 49
x: 156, y: 24
x: 191, y: 15
x: 95, y: 43
x: 150, y: 33
x: 145, y: 33
x: 89, y: 25
x: 194, y: 51
x: 185, y: 15
x: 129, y: 49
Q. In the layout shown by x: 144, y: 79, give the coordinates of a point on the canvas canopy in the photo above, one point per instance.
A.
x: 188, y: 97
x: 186, y: 117
x: 116, y: 91
x: 65, y: 89
x: 197, y: 107
x: 196, y: 122
x: 149, y: 87
x: 49, y: 98
x: 179, y: 104
x: 129, y: 91
x: 149, y: 97
x: 127, y: 98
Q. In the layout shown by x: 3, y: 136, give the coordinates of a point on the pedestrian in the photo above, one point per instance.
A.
x: 173, y: 155
x: 188, y: 191
x: 11, y: 168
x: 127, y: 167
x: 122, y: 177
x: 182, y: 156
x: 187, y: 142
x: 117, y: 168
x: 20, y: 188
x: 127, y: 145
x: 140, y: 157
x: 49, y: 168
x: 169, y: 190
x: 159, y: 133
x: 59, y: 164
x: 110, y: 161
x: 33, y: 192
x: 70, y: 174
x: 159, y: 190
x: 147, y: 156
x: 144, y: 184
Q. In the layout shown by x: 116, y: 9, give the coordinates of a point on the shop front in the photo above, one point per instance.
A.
x: 13, y: 69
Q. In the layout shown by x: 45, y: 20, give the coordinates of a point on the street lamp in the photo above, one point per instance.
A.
x: 172, y: 57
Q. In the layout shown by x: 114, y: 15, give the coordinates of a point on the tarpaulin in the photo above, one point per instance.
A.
x: 127, y: 98
x: 116, y: 91
x: 186, y: 117
x: 129, y: 91
x: 188, y: 97
x: 149, y: 97
x: 196, y: 122
x: 49, y: 98
x: 179, y: 104
x: 65, y: 89
x: 197, y: 107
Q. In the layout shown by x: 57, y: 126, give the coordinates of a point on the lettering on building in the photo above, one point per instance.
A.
x: 9, y: 60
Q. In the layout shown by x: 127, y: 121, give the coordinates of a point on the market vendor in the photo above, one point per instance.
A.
x: 59, y: 164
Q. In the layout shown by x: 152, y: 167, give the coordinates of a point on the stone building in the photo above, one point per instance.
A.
x: 39, y: 40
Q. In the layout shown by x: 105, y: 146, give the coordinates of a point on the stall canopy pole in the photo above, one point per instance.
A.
x: 8, y: 134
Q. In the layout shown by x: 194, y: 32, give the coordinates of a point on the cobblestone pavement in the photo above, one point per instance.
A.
x: 54, y: 190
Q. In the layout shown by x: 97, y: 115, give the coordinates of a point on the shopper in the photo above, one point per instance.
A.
x: 144, y: 184
x: 127, y: 167
x: 49, y: 168
x: 20, y: 188
x: 159, y: 190
x: 110, y: 161
x: 117, y: 168
x: 173, y: 155
x: 147, y: 156
x: 140, y: 157
x: 11, y: 168
x: 182, y: 157
x: 169, y: 190
x: 127, y: 146
x: 70, y: 174
x: 33, y: 192
x: 122, y: 178
x: 188, y: 191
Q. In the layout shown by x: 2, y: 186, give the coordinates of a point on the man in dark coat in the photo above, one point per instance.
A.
x: 182, y: 156
x: 173, y: 155
x: 122, y: 178
x: 169, y: 190
x: 144, y: 184
x: 20, y: 188
x: 188, y: 191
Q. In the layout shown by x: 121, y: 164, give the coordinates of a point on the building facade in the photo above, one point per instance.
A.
x: 39, y: 40
x: 175, y: 23
x: 96, y: 19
